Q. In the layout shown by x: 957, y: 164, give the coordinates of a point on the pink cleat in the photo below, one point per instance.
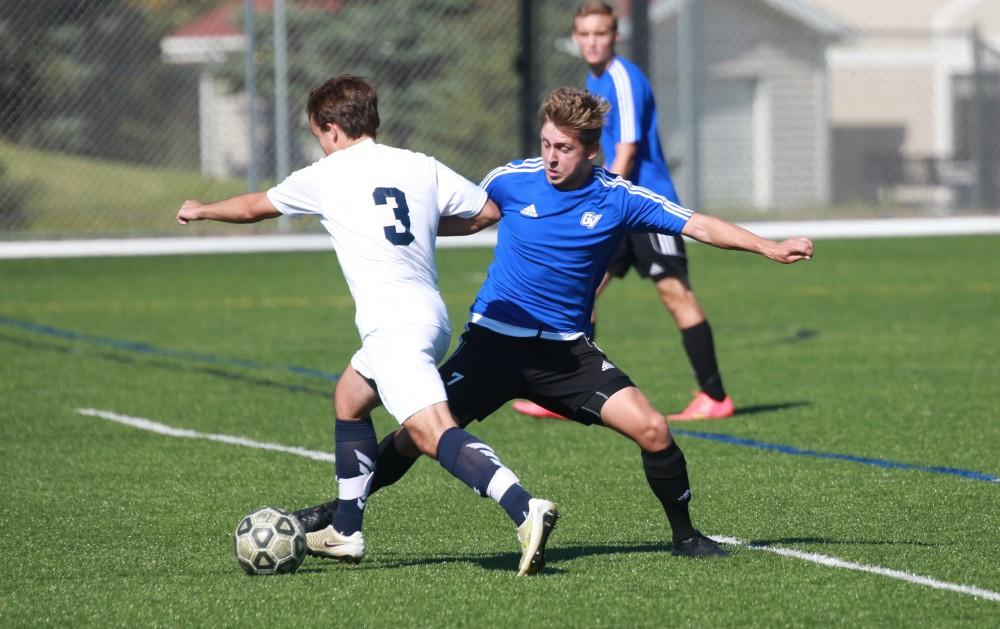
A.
x: 527, y: 407
x: 704, y: 407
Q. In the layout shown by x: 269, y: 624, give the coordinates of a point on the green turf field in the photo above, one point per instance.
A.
x: 885, y: 349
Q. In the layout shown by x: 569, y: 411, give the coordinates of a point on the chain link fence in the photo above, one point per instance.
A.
x: 115, y: 111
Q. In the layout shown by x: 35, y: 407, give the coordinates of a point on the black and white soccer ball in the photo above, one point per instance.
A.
x: 270, y: 541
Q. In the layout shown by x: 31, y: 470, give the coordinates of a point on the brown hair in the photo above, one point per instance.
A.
x: 596, y: 8
x: 576, y: 112
x: 348, y: 101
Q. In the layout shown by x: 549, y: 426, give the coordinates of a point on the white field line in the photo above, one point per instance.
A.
x: 170, y: 431
x: 825, y: 560
x: 834, y: 562
x: 816, y: 229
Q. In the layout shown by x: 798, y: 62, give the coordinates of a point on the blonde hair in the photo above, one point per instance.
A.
x: 576, y: 112
x: 596, y: 8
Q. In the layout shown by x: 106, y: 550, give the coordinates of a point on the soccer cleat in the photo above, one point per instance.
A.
x: 704, y: 407
x: 329, y: 544
x: 533, y: 533
x: 527, y: 407
x: 316, y: 518
x: 697, y: 545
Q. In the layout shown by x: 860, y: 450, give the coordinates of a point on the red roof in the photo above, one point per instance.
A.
x: 227, y: 19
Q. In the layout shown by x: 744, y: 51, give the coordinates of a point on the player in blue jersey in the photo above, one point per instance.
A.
x: 561, y: 221
x: 631, y: 147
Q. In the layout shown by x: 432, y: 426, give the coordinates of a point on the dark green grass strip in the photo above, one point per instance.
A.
x: 146, y: 348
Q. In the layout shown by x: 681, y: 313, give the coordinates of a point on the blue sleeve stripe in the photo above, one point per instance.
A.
x: 617, y: 182
x: 528, y: 165
x: 625, y: 102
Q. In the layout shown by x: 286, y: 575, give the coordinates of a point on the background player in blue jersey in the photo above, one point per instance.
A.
x: 631, y: 147
x: 561, y: 221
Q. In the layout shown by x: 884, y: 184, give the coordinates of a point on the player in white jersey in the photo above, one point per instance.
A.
x: 383, y: 208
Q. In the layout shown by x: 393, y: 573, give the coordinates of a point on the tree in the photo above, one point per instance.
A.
x: 86, y: 77
x: 444, y: 70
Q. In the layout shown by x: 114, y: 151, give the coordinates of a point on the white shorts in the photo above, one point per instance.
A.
x: 403, y: 363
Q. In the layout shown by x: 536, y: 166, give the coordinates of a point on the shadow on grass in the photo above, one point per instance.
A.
x: 507, y: 562
x: 500, y: 562
x: 768, y: 408
x: 766, y: 337
x: 839, y: 542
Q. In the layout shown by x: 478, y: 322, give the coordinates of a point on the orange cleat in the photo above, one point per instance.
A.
x: 704, y: 407
x: 527, y: 407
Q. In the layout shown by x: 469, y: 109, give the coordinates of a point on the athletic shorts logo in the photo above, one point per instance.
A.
x: 606, y: 365
x: 589, y: 219
x: 455, y: 377
x: 530, y: 211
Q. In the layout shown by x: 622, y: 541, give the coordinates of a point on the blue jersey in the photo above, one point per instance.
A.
x: 632, y: 120
x: 554, y: 246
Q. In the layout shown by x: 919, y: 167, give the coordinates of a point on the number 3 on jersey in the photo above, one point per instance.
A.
x: 402, y: 212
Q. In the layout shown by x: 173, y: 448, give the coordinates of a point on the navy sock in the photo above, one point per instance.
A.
x: 666, y: 473
x: 477, y: 465
x: 356, y: 451
x: 700, y: 347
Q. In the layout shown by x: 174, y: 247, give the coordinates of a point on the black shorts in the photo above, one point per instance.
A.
x: 487, y: 370
x: 655, y: 256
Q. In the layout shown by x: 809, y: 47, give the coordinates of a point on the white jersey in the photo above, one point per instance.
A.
x: 381, y: 206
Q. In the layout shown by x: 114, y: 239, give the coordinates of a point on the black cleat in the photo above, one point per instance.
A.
x: 697, y: 545
x: 316, y: 518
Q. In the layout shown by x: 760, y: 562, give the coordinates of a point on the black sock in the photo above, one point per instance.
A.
x: 666, y: 473
x: 700, y: 347
x: 391, y: 465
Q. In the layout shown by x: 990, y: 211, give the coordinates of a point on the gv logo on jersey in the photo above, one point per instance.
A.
x: 589, y: 219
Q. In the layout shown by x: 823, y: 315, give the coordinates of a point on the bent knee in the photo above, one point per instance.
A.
x: 675, y: 294
x: 426, y: 426
x: 423, y: 440
x: 653, y: 434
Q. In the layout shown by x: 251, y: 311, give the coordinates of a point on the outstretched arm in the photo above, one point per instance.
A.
x: 245, y: 208
x: 456, y: 226
x: 719, y: 233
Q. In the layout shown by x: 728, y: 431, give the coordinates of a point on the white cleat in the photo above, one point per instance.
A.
x: 330, y: 544
x: 533, y: 533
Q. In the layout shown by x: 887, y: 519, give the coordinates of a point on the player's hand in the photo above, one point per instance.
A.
x: 189, y: 212
x: 792, y: 250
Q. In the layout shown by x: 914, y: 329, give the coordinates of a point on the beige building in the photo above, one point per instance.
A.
x: 900, y: 98
x: 809, y: 102
x: 764, y: 131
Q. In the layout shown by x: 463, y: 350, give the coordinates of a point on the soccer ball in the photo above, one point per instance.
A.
x: 270, y: 541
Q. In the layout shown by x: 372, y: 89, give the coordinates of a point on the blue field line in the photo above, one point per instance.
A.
x: 850, y: 458
x: 146, y: 348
